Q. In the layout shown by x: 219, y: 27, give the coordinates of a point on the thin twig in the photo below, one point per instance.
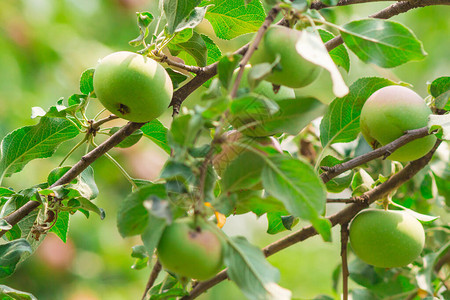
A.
x: 388, y: 12
x: 165, y: 59
x: 271, y: 15
x: 70, y: 175
x: 344, y: 242
x: 319, y: 4
x: 385, y: 151
x: 345, y: 200
x: 96, y: 124
x: 151, y: 280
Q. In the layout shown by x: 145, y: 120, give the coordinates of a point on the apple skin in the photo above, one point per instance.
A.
x: 133, y: 87
x: 191, y: 249
x: 386, y: 239
x: 296, y: 71
x: 265, y: 88
x: 391, y: 111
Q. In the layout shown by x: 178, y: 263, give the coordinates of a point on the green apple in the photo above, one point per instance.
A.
x: 388, y: 114
x: 295, y: 71
x: 191, y: 248
x: 386, y: 239
x: 133, y: 87
x: 264, y: 88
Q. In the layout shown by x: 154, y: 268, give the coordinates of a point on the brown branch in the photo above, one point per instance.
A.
x: 319, y: 5
x: 342, y: 217
x: 344, y: 242
x: 388, y: 12
x: 385, y: 151
x: 208, y: 72
x: 271, y: 15
x: 151, y: 280
x: 443, y: 260
x: 85, y: 161
x: 96, y: 125
x: 346, y: 200
x: 165, y: 59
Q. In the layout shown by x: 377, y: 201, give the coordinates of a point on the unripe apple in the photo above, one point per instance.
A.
x: 191, y: 248
x: 295, y: 71
x: 264, y: 88
x: 132, y: 86
x: 388, y: 114
x: 386, y: 239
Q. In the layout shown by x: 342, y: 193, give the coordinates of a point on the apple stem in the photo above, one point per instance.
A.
x: 84, y: 140
x: 119, y: 166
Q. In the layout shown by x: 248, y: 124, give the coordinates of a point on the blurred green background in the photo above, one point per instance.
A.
x: 45, y: 45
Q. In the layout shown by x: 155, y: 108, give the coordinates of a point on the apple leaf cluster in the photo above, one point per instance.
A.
x: 250, y: 144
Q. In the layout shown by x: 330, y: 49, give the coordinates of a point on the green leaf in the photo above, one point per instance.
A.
x: 195, y: 18
x: 140, y: 253
x: 144, y: 19
x: 133, y: 217
x: 184, y: 130
x: 440, y: 89
x: 232, y: 18
x: 340, y: 182
x: 251, y: 272
x: 363, y: 294
x: 243, y: 172
x: 10, y: 255
x: 157, y: 132
x: 175, y: 170
x: 439, y: 86
x: 340, y: 124
x: 31, y: 142
x: 279, y: 222
x: 254, y: 202
x: 294, y: 115
x: 177, y: 11
x: 311, y: 47
x: 225, y: 68
x: 129, y: 140
x: 86, y: 81
x: 8, y: 293
x: 214, y: 53
x: 195, y: 47
x: 75, y: 102
x: 385, y: 43
x: 443, y: 185
x: 176, y: 77
x: 56, y: 174
x: 295, y: 183
x: 425, y: 219
x: 61, y: 227
x: 442, y: 123
x: 85, y: 184
x: 426, y: 187
x: 425, y: 276
x: 85, y: 205
x: 5, y: 192
x: 159, y: 215
x: 4, y: 225
x: 361, y: 182
x: 338, y: 54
